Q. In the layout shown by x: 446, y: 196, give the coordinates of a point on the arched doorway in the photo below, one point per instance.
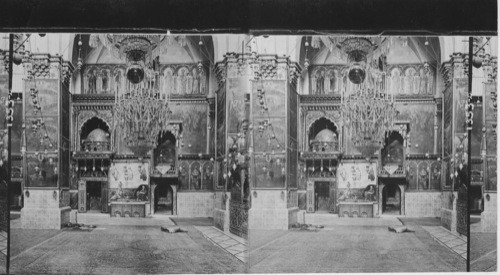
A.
x: 163, y: 199
x: 391, y: 199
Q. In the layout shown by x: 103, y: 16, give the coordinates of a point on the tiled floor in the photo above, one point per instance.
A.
x: 3, y: 242
x: 235, y: 245
x: 453, y: 241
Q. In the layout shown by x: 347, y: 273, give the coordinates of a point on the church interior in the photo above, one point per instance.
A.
x: 252, y: 131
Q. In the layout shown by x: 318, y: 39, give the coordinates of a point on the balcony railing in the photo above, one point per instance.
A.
x: 96, y: 146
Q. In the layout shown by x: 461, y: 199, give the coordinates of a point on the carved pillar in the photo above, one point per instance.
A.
x: 402, y: 199
x: 380, y: 198
x: 47, y: 77
x: 436, y: 127
x: 152, y: 196
x: 174, y: 199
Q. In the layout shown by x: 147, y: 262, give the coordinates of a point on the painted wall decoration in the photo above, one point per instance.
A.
x: 460, y: 86
x: 221, y: 121
x: 208, y: 176
x: 185, y: 79
x: 492, y: 174
x: 100, y: 79
x: 477, y: 133
x: 447, y: 121
x: 435, y: 175
x: 268, y: 172
x: 292, y: 141
x: 357, y: 182
x: 411, y: 79
x: 42, y: 170
x: 194, y: 126
x: 128, y: 175
x: 165, y: 157
x: 393, y: 153
x: 176, y: 79
x: 195, y: 176
x: 327, y: 79
x: 421, y: 117
x: 183, y: 175
x: 423, y: 174
x: 412, y: 174
x: 358, y: 175
x: 4, y: 92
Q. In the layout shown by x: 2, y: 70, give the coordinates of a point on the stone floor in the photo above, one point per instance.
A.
x: 231, y: 243
x: 453, y: 241
x: 120, y: 246
x: 365, y: 245
x: 483, y: 247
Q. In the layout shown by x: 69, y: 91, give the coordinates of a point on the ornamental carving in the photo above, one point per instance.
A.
x: 406, y: 79
x: 333, y: 116
x: 47, y: 66
x: 85, y: 115
x: 454, y: 68
x: 176, y: 79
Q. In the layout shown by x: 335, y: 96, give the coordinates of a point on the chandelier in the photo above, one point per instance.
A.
x: 141, y: 111
x: 368, y: 111
x: 142, y: 114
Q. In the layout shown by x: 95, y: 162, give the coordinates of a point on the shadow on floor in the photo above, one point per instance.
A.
x: 193, y: 221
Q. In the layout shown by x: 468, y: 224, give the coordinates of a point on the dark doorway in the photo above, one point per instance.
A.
x: 164, y: 198
x: 476, y: 195
x: 94, y: 196
x: 322, y: 196
x: 391, y: 199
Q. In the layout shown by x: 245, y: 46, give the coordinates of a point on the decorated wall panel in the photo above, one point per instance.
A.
x: 41, y: 170
x: 292, y: 139
x: 492, y: 174
x: 447, y: 121
x: 99, y: 79
x: 460, y: 91
x: 407, y: 79
x: 302, y: 179
x: 490, y: 108
x: 221, y: 121
x: 423, y: 174
x: 327, y: 79
x: 4, y: 92
x: 411, y: 79
x: 128, y: 175
x: 421, y: 117
x: 263, y: 141
x: 184, y: 79
x: 194, y: 126
x: 268, y: 174
x: 477, y: 134
x: 196, y: 175
x: 176, y: 79
x: 43, y: 134
x: 355, y: 179
x: 269, y: 142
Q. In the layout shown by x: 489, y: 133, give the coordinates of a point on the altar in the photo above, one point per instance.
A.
x: 128, y: 208
x: 356, y: 209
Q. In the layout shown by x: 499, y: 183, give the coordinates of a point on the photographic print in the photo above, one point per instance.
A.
x: 152, y: 150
